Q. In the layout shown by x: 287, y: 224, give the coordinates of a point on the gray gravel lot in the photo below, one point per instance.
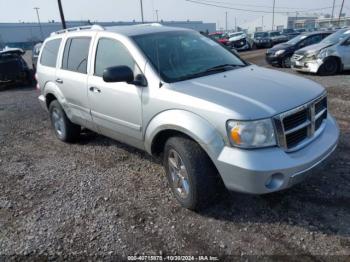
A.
x: 102, y: 198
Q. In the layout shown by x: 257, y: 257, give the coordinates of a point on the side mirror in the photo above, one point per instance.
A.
x: 118, y: 74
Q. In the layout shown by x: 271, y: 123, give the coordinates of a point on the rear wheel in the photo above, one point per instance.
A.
x: 191, y: 174
x: 65, y: 130
x: 330, y: 67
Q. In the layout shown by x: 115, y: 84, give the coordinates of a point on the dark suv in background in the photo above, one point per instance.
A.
x: 281, y: 54
x: 262, y: 40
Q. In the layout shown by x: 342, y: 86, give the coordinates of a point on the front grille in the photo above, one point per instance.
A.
x: 299, y: 125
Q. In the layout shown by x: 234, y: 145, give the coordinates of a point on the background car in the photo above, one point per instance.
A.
x: 13, y: 68
x: 290, y: 33
x: 276, y: 37
x: 240, y: 41
x: 220, y: 37
x: 35, y: 54
x: 281, y: 54
x: 262, y: 40
x: 330, y: 56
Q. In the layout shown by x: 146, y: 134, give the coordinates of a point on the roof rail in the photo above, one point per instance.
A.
x: 78, y: 28
x: 150, y: 24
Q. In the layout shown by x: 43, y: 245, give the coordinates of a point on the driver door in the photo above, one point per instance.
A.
x: 115, y: 107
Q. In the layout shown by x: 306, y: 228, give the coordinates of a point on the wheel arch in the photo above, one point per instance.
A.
x: 181, y: 122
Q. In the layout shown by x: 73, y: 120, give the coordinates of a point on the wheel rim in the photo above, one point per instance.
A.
x: 178, y: 174
x: 331, y: 67
x: 58, y: 122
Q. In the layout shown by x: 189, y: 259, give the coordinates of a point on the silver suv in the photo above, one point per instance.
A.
x: 213, y: 118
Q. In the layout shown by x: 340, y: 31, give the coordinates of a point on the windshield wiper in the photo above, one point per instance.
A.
x: 211, y: 70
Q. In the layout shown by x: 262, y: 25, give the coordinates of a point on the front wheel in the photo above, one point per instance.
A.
x: 65, y: 130
x: 286, y: 63
x: 191, y: 174
x: 329, y: 67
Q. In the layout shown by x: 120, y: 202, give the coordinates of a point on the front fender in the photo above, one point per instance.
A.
x: 188, y: 123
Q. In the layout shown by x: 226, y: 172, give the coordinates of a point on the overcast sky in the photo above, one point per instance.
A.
x: 126, y: 10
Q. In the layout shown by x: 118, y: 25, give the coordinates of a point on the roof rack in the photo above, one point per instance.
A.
x: 78, y: 28
x: 150, y: 24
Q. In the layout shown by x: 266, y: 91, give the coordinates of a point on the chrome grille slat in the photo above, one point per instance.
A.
x: 298, y: 126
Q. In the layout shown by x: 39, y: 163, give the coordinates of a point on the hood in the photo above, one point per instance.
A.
x: 8, y: 50
x: 251, y: 92
x: 313, y: 48
x: 283, y: 46
x: 237, y: 38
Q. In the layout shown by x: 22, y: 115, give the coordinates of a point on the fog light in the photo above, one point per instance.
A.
x: 275, y: 181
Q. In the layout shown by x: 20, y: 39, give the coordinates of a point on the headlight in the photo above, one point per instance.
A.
x: 251, y: 134
x: 310, y: 56
x: 279, y: 52
x: 322, y: 54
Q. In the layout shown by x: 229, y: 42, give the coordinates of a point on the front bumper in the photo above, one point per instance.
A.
x: 273, y: 60
x: 311, y: 66
x: 251, y: 171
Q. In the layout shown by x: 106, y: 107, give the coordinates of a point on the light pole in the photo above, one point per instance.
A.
x: 41, y: 30
x: 157, y: 14
x: 62, y: 14
x: 141, y: 11
x: 341, y: 11
x: 273, y: 14
x: 226, y: 21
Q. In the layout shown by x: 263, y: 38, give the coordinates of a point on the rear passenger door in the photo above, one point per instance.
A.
x: 72, y: 78
x: 115, y: 107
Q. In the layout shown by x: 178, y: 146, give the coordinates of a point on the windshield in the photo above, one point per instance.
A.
x: 296, y: 39
x: 275, y: 33
x: 218, y: 36
x: 337, y: 37
x: 261, y: 34
x: 184, y: 55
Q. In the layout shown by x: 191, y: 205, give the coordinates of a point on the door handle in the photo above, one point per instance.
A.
x: 95, y: 89
x: 60, y: 81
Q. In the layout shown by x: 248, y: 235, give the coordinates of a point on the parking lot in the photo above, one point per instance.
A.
x: 102, y: 198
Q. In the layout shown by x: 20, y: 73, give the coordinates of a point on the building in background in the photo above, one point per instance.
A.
x: 25, y: 35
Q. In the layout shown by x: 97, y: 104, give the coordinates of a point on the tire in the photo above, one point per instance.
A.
x: 64, y: 129
x: 330, y: 67
x: 200, y: 182
x: 286, y: 63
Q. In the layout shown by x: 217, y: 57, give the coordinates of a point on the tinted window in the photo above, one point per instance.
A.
x: 50, y: 52
x: 76, y: 54
x: 112, y: 53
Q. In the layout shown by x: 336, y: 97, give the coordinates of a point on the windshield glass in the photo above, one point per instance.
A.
x: 296, y: 39
x: 261, y: 34
x: 218, y: 36
x: 184, y: 55
x: 337, y: 36
x: 275, y: 33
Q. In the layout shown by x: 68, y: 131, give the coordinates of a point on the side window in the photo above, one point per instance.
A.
x: 50, y: 52
x: 112, y: 53
x: 314, y: 39
x: 75, y: 56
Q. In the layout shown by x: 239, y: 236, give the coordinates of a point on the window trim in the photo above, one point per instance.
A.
x: 115, y: 40
x: 58, y: 51
x: 69, y: 40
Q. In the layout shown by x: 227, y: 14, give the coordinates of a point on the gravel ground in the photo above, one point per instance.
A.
x: 102, y: 198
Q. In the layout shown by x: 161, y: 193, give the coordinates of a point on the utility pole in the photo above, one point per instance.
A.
x: 262, y: 23
x: 62, y: 14
x: 235, y: 24
x: 41, y: 30
x: 273, y: 14
x: 341, y: 11
x: 141, y: 11
x: 333, y: 9
x: 157, y: 15
x: 226, y: 20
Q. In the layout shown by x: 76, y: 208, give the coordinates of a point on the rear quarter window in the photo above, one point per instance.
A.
x: 50, y: 52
